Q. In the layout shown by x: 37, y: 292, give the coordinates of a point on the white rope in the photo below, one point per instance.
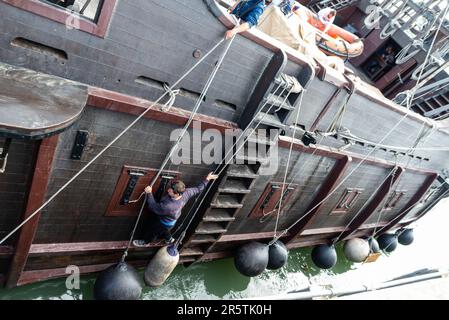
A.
x: 194, y: 111
x: 354, y: 137
x: 389, y: 176
x: 304, y: 165
x: 172, y: 97
x: 181, y: 135
x: 234, y: 153
x: 410, y: 94
x: 108, y: 146
x: 443, y: 17
x: 350, y: 174
x: 398, y: 234
x: 227, y: 162
x: 382, y: 205
x: 286, y: 168
x: 419, y: 137
x: 345, y: 179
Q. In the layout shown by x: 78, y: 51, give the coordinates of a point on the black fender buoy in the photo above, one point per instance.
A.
x: 118, y: 282
x: 251, y: 259
x: 324, y: 256
x: 373, y: 245
x: 406, y: 237
x: 387, y: 242
x: 277, y: 256
x: 356, y: 250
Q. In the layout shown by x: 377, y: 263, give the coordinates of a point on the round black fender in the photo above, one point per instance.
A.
x: 387, y: 242
x: 374, y: 245
x: 277, y: 256
x: 251, y: 259
x: 324, y: 256
x: 118, y: 282
x: 406, y: 237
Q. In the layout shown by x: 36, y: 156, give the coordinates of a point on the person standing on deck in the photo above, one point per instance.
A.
x: 286, y: 6
x: 168, y: 210
x: 249, y: 11
x: 327, y: 17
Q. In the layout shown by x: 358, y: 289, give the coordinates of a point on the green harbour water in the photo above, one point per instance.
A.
x: 220, y: 280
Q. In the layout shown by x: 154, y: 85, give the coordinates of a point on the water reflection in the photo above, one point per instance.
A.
x: 220, y: 279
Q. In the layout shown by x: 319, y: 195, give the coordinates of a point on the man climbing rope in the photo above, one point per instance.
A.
x: 249, y: 11
x: 168, y: 210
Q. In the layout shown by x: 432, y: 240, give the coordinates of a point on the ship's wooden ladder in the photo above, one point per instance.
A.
x: 271, y: 106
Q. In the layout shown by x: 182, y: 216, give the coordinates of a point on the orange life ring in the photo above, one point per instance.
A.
x: 337, y: 41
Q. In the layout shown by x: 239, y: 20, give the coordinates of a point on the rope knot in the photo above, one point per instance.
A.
x: 172, y: 97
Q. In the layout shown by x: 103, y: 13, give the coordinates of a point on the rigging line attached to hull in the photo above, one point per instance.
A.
x: 109, y: 145
x: 181, y: 135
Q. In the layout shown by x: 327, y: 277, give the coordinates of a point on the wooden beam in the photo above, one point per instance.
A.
x: 84, y: 247
x: 6, y: 251
x: 28, y: 277
x: 36, y: 197
x: 248, y: 236
x: 324, y: 151
x: 377, y: 200
x: 33, y: 276
x: 309, y: 243
x: 326, y: 188
x: 41, y: 275
x: 325, y: 109
x: 442, y: 193
x: 118, y: 102
x: 413, y: 201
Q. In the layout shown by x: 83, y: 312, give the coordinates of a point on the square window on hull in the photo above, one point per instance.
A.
x: 347, y: 201
x: 87, y: 8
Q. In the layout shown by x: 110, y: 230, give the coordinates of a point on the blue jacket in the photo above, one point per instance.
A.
x: 286, y: 6
x: 169, y: 209
x: 255, y: 7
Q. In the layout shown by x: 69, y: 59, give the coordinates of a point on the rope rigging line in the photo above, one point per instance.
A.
x: 180, y: 137
x: 343, y: 180
x: 382, y: 205
x: 418, y: 43
x: 440, y: 89
x: 334, y: 120
x: 286, y: 168
x: 411, y: 207
x: 338, y: 120
x: 347, y: 177
x: 227, y: 162
x: 391, y: 176
x: 232, y: 148
x: 410, y: 94
x: 110, y: 144
x: 421, y: 135
x: 197, y: 207
x: 352, y: 136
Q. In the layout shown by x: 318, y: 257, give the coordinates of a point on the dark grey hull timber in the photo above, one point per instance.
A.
x: 148, y: 43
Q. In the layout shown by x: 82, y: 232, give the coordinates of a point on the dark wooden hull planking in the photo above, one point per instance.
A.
x: 147, y: 43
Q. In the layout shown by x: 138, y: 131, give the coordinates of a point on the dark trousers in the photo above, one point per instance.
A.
x: 156, y: 230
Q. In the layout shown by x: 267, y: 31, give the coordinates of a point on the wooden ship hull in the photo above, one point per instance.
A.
x: 77, y: 89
